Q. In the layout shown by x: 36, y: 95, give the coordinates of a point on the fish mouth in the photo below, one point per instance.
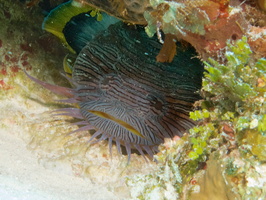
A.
x: 118, y: 121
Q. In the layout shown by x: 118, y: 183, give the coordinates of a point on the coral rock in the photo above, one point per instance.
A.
x: 127, y: 10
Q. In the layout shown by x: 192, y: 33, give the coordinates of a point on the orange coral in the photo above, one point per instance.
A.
x: 257, y: 41
x: 205, y: 24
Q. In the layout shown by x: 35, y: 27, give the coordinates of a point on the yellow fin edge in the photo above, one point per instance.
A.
x: 120, y: 122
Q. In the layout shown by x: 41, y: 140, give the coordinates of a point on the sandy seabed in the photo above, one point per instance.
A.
x: 23, y: 178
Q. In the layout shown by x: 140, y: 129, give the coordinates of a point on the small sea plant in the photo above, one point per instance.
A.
x: 234, y: 105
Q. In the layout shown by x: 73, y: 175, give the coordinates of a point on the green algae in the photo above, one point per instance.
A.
x: 235, y: 93
x: 238, y: 89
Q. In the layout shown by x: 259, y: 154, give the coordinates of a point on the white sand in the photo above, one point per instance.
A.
x: 22, y: 178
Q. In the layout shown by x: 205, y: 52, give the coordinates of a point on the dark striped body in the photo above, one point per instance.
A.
x: 125, y: 95
x: 117, y: 74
